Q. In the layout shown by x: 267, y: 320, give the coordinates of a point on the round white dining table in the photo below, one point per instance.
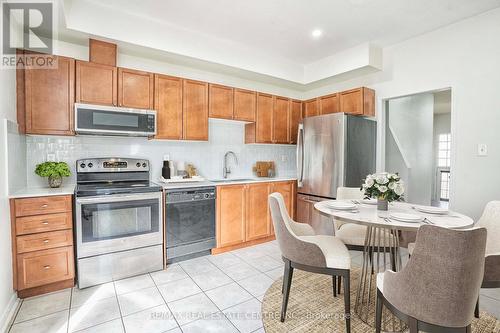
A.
x: 381, y: 246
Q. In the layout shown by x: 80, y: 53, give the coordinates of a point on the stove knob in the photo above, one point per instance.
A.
x: 138, y: 165
x: 207, y: 195
x: 82, y: 165
x: 144, y: 165
x: 90, y: 165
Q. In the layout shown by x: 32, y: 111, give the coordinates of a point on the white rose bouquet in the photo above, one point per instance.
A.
x: 384, y: 186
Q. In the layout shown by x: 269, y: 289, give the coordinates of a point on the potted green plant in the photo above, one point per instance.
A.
x: 54, y: 171
x: 385, y: 187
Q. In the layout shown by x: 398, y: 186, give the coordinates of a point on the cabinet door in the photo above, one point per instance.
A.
x: 294, y: 119
x: 168, y: 105
x: 286, y: 189
x: 264, y: 121
x: 280, y: 119
x: 244, y: 105
x: 135, y: 89
x: 351, y: 101
x: 195, y: 110
x: 230, y: 228
x: 329, y: 104
x: 220, y: 102
x: 95, y: 83
x: 257, y: 209
x: 311, y: 108
x: 49, y: 98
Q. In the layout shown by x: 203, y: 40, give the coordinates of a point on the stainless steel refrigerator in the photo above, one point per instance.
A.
x: 333, y: 150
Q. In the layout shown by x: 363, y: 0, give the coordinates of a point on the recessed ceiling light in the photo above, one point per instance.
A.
x: 316, y: 33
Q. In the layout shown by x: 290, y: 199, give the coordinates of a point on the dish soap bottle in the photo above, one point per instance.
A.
x: 165, y: 171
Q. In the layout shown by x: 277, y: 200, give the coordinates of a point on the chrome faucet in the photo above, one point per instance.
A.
x: 226, y: 169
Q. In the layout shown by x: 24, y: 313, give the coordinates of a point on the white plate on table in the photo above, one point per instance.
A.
x: 340, y: 205
x: 432, y: 210
x: 406, y: 217
x: 369, y: 201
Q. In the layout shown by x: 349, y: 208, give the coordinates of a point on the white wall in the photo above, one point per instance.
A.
x: 7, y: 111
x: 411, y: 121
x: 464, y: 56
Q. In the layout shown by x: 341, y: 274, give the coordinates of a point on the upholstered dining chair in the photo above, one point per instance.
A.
x: 437, y: 289
x: 302, y: 249
x: 491, y: 221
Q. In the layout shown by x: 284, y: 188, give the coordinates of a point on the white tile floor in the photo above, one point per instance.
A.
x: 221, y: 293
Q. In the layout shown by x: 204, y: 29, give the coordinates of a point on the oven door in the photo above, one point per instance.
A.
x: 109, y: 120
x: 106, y: 224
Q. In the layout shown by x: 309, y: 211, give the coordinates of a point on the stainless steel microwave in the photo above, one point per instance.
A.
x: 117, y: 121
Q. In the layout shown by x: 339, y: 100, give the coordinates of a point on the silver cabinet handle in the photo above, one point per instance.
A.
x: 45, y: 241
x: 46, y: 267
x: 45, y: 206
x: 45, y: 222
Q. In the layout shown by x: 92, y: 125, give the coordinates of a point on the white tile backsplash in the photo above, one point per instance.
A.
x: 207, y: 157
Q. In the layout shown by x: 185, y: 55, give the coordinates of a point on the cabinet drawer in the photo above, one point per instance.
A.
x: 43, y: 205
x: 44, y: 240
x: 43, y: 223
x: 44, y: 267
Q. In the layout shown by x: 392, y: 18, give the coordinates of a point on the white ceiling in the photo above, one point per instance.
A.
x: 278, y: 32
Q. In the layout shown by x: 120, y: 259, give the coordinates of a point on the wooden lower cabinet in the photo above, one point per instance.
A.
x: 230, y: 215
x: 243, y: 217
x: 42, y: 244
x: 257, y: 211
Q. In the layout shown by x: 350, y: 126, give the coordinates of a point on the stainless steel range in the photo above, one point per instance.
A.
x: 119, y: 224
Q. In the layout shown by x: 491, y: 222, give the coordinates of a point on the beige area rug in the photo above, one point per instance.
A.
x: 312, y: 308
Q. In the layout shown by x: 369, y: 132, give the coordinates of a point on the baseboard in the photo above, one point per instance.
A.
x: 9, y: 313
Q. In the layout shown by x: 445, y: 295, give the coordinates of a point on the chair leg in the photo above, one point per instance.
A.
x: 413, y: 325
x: 285, y: 273
x: 334, y: 283
x: 347, y: 302
x: 476, y: 310
x: 378, y: 314
x: 286, y: 291
x: 339, y: 284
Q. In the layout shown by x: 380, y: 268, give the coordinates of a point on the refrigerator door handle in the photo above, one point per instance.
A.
x: 300, y: 154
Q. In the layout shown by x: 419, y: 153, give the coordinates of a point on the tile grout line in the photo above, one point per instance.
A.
x: 221, y: 311
x: 69, y: 308
x: 15, y: 315
x: 37, y: 317
x: 165, y: 301
x: 119, y: 307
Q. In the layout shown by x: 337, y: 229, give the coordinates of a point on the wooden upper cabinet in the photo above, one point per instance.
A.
x: 311, y: 108
x: 220, y: 101
x: 329, y: 104
x: 96, y: 84
x: 257, y: 211
x: 135, y: 89
x: 168, y: 105
x: 280, y: 119
x: 195, y: 110
x: 103, y: 53
x: 294, y: 120
x: 245, y: 105
x: 264, y: 121
x: 230, y: 225
x: 359, y: 101
x: 49, y: 98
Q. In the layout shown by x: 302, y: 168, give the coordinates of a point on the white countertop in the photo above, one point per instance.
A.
x: 229, y: 181
x: 28, y: 192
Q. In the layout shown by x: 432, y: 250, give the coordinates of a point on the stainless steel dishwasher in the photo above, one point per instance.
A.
x: 190, y: 222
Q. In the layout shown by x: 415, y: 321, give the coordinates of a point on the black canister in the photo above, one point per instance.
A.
x: 165, y: 171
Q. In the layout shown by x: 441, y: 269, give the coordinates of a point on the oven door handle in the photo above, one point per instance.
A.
x: 118, y: 197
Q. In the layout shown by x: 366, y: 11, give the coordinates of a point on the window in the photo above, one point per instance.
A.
x: 445, y: 185
x: 444, y: 150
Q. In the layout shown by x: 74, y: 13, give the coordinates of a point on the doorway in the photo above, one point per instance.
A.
x: 418, y: 145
